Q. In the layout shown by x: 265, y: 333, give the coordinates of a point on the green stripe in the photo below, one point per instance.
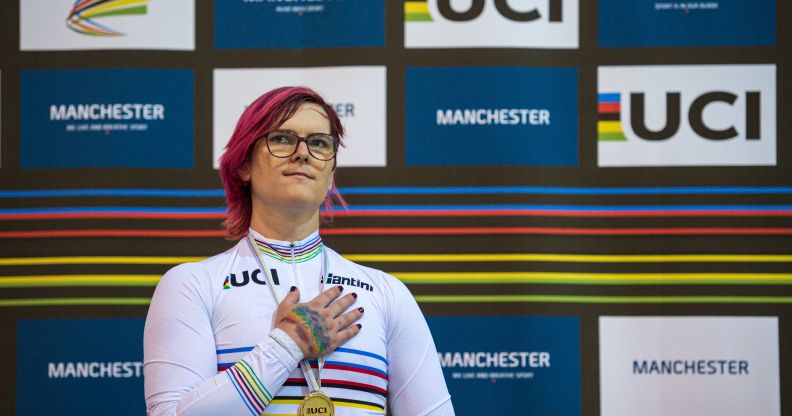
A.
x: 451, y: 299
x: 251, y: 376
x: 598, y: 299
x: 418, y: 17
x: 612, y: 137
x: 121, y: 12
x: 74, y: 301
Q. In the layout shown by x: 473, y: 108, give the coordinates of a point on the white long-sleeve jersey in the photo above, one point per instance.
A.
x: 210, y: 348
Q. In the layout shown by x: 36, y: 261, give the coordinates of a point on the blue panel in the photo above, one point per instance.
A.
x: 510, y: 365
x: 300, y: 24
x: 80, y: 367
x: 107, y: 118
x: 636, y: 23
x: 479, y: 116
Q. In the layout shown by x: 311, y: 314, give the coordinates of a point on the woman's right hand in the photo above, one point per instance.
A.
x: 318, y: 327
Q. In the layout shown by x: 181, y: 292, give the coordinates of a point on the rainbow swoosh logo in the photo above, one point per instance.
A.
x: 609, y: 127
x: 84, y: 12
x: 416, y: 11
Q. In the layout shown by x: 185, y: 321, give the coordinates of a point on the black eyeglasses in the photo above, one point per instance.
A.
x: 282, y: 143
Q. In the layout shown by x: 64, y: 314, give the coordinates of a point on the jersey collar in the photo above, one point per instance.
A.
x: 297, y: 251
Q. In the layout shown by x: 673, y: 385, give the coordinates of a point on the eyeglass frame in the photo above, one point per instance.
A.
x: 301, y: 139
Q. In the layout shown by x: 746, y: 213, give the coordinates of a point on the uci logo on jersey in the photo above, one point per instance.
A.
x: 242, y: 279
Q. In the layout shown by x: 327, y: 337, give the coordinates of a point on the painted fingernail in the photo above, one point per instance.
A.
x: 354, y: 295
x: 359, y: 326
x: 293, y: 288
x: 360, y: 309
x: 340, y: 288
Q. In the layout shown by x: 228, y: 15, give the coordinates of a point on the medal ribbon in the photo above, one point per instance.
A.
x: 314, y: 382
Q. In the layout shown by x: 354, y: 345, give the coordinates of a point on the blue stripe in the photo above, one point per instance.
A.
x: 448, y: 190
x: 362, y: 367
x: 241, y: 395
x: 365, y: 353
x: 543, y: 190
x: 609, y: 97
x: 225, y: 364
x: 287, y: 249
x: 233, y: 350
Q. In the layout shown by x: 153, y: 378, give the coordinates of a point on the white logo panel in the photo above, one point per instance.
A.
x: 685, y: 366
x: 142, y: 24
x: 692, y: 115
x: 356, y: 92
x: 492, y: 23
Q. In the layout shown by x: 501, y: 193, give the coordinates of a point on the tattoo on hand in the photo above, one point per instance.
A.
x: 310, y: 328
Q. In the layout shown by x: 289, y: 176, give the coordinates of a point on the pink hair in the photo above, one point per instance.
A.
x: 265, y: 114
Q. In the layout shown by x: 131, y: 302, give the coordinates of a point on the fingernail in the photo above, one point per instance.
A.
x: 360, y: 309
x: 359, y: 326
x: 354, y: 295
x: 340, y: 288
x: 293, y: 288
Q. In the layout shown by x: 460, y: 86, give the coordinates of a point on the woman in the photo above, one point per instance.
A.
x: 281, y: 324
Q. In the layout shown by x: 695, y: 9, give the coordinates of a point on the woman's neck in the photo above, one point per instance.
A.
x: 284, y: 225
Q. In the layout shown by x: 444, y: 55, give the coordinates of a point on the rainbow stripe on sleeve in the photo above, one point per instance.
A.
x: 249, y: 387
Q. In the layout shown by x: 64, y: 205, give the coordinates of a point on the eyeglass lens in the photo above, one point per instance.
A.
x: 285, y: 143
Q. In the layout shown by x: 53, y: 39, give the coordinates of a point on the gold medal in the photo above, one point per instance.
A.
x: 316, y: 404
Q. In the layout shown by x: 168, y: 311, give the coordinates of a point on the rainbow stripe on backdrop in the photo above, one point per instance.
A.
x: 609, y: 126
x: 416, y: 11
x: 493, y: 210
x: 83, y: 12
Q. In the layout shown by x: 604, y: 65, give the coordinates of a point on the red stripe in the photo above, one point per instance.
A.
x: 355, y: 370
x: 609, y: 107
x: 413, y: 231
x: 352, y: 383
x: 111, y: 233
x: 562, y: 213
x: 555, y: 231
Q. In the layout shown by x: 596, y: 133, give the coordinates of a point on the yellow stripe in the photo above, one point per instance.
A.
x: 357, y: 405
x: 574, y: 258
x: 416, y: 7
x: 609, y: 127
x: 432, y: 258
x: 592, y: 278
x: 80, y: 280
x: 36, y: 261
x: 118, y: 4
x: 335, y: 402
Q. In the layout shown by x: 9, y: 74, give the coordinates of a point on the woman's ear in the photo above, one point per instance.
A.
x: 244, y: 172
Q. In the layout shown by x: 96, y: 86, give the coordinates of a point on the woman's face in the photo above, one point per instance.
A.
x: 299, y: 181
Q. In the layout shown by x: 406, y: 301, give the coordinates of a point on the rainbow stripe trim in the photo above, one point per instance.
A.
x: 83, y: 12
x: 302, y: 252
x: 609, y: 126
x: 253, y: 393
x: 416, y: 11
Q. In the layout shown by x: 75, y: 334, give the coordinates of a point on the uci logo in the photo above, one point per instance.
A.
x: 239, y: 280
x: 750, y: 104
x: 316, y: 410
x: 505, y: 8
